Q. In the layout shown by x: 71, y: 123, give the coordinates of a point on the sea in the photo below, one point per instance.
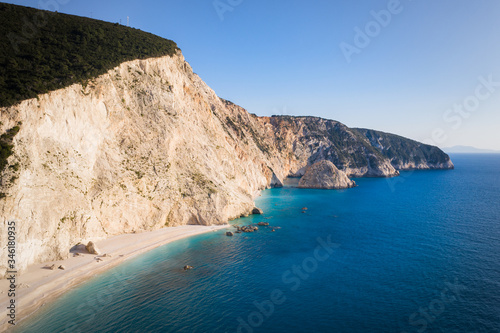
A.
x: 415, y: 253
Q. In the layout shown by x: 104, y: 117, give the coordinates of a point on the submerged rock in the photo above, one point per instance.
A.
x: 325, y: 175
x: 229, y: 233
x: 263, y: 224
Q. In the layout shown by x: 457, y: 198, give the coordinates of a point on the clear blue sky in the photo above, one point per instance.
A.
x: 285, y: 57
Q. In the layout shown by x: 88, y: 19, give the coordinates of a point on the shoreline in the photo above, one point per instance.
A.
x: 37, y: 285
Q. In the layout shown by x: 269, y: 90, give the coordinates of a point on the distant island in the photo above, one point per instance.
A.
x: 469, y: 150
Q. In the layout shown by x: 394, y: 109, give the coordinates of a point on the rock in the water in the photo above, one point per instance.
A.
x: 92, y: 248
x: 263, y: 224
x: 229, y: 233
x: 187, y: 267
x: 257, y: 211
x: 325, y: 175
x: 249, y: 228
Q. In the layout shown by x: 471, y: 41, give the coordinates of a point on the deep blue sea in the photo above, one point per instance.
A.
x: 416, y: 253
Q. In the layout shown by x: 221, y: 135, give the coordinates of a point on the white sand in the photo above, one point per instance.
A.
x: 38, y: 285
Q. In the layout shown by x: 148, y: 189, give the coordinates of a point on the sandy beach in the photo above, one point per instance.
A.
x: 38, y: 284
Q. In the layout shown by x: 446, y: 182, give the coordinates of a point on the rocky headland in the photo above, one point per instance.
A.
x: 147, y: 145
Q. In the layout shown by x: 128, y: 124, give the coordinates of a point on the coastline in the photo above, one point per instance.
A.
x: 37, y: 285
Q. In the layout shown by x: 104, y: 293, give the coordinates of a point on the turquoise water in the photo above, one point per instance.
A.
x: 417, y: 253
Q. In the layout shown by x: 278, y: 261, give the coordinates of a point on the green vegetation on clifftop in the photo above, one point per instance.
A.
x: 42, y: 51
x: 6, y: 146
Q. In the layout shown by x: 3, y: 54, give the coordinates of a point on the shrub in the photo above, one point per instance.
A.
x: 6, y: 146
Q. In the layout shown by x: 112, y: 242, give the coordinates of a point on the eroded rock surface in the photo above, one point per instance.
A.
x: 325, y: 175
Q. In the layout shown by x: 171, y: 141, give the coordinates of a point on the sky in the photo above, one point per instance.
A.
x: 424, y: 69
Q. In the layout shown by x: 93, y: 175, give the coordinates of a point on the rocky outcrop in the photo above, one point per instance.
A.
x: 307, y: 140
x: 249, y: 228
x: 149, y: 145
x: 324, y: 175
x: 92, y: 248
x: 406, y: 154
x: 257, y: 211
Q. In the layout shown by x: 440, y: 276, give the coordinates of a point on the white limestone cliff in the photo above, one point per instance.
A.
x: 138, y: 148
x: 149, y: 145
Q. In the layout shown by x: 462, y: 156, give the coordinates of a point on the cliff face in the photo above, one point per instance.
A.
x: 325, y: 175
x: 149, y: 145
x: 138, y: 148
x: 406, y: 154
x: 310, y: 139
